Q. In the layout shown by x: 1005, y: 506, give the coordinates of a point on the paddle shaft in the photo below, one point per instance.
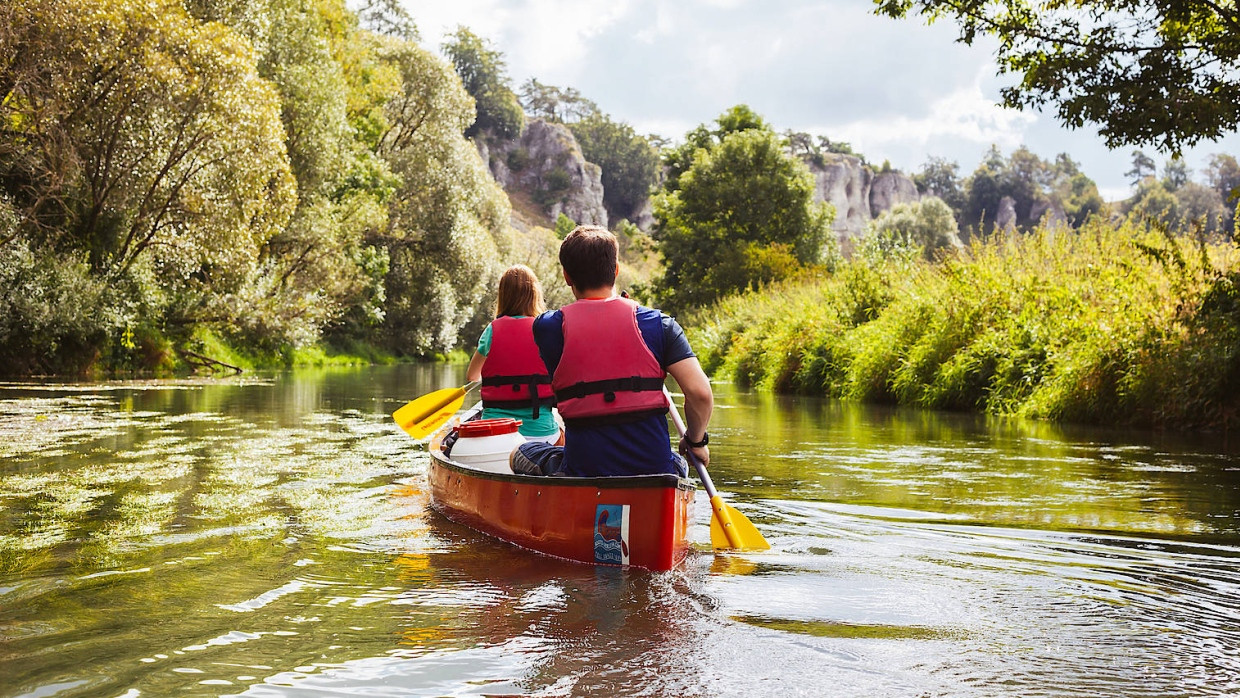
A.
x: 716, y: 502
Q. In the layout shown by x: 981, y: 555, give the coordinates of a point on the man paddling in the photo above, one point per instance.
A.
x: 608, y: 357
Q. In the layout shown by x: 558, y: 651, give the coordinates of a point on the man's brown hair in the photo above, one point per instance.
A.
x: 519, y: 293
x: 588, y: 255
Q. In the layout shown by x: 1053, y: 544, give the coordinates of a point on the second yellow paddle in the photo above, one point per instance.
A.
x: 728, y: 527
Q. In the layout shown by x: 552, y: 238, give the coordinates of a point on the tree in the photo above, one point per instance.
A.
x: 1153, y: 204
x: 940, y: 178
x: 679, y: 159
x: 482, y: 71
x: 318, y: 272
x: 1223, y: 174
x: 628, y: 161
x: 1175, y: 174
x: 447, y: 224
x: 146, y: 143
x: 555, y: 104
x: 925, y: 227
x: 1201, y: 209
x: 1157, y: 72
x: 388, y: 17
x: 1036, y: 187
x: 1142, y: 167
x: 740, y: 214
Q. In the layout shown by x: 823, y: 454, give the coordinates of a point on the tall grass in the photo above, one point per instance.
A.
x: 1108, y: 324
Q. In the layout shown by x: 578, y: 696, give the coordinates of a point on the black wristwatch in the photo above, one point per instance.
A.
x: 698, y: 444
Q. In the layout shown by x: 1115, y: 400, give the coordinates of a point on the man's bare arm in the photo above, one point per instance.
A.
x: 699, y: 401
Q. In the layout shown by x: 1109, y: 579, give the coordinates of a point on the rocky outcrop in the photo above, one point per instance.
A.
x: 546, y: 164
x: 844, y: 182
x: 1048, y: 213
x: 857, y: 193
x: 890, y: 189
x: 1005, y: 219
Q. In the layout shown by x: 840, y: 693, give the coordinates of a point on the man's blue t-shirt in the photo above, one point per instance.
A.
x: 636, y: 448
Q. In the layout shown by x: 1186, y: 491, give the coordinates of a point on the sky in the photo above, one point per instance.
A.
x: 896, y: 90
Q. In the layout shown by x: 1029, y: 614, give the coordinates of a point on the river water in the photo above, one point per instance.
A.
x: 271, y: 536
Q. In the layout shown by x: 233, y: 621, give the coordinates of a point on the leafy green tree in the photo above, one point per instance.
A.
x: 482, y: 71
x: 318, y: 272
x: 1201, y: 209
x: 741, y: 212
x: 940, y: 178
x: 802, y: 146
x: 1175, y: 174
x: 1076, y: 194
x: 1158, y: 72
x: 146, y: 144
x: 446, y: 228
x: 563, y: 226
x: 1153, y: 204
x: 926, y: 227
x: 628, y: 161
x: 562, y: 105
x: 1142, y: 167
x: 677, y: 160
x: 1223, y: 174
x: 985, y: 188
x: 1034, y: 185
x: 388, y: 17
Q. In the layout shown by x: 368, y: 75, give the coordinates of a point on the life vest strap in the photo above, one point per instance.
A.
x: 611, y: 419
x: 530, y: 382
x: 608, y: 388
x: 518, y: 381
x: 520, y: 402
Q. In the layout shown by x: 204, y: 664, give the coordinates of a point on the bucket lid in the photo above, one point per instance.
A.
x: 488, y: 427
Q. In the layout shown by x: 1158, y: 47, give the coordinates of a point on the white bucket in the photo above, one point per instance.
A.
x: 485, y: 444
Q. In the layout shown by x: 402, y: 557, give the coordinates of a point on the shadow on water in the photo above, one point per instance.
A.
x: 271, y: 536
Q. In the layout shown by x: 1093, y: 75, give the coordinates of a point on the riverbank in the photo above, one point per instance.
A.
x: 1113, y: 325
x: 147, y: 353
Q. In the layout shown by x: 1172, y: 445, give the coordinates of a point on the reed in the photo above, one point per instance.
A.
x: 1107, y: 324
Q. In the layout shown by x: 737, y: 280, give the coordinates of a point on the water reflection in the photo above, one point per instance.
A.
x: 984, y: 469
x: 271, y: 536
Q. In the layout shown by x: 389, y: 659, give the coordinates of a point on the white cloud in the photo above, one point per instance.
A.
x: 548, y: 39
x: 896, y: 90
x: 964, y: 115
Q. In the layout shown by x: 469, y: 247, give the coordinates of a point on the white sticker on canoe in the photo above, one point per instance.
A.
x: 611, y: 534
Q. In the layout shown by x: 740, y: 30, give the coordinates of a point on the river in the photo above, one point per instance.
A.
x: 271, y: 536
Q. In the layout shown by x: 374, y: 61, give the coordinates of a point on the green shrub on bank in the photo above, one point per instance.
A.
x: 1106, y: 324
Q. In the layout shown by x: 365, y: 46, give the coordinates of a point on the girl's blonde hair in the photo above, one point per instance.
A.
x: 519, y: 292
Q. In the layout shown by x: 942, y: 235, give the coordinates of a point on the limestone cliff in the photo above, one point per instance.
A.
x: 890, y: 189
x: 857, y: 193
x: 545, y: 167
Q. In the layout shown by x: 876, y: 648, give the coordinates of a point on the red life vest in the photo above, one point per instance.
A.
x: 513, y: 374
x: 606, y: 374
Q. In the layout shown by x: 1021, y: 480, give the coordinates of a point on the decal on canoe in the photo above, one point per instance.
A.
x: 611, y: 534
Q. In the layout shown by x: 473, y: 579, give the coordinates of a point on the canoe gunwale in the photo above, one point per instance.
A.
x: 600, y: 483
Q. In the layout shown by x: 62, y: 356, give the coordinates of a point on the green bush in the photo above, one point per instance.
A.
x: 1107, y: 324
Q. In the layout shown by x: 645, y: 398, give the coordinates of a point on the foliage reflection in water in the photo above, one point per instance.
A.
x: 272, y: 537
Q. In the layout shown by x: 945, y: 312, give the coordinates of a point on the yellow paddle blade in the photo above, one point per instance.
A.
x: 426, y: 414
x: 730, y: 529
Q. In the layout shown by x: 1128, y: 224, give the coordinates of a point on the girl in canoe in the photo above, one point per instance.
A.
x: 515, y: 382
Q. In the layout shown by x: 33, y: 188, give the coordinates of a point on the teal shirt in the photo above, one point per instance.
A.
x: 543, y: 426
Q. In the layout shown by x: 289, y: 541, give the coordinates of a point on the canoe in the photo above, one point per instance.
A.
x: 635, y: 521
